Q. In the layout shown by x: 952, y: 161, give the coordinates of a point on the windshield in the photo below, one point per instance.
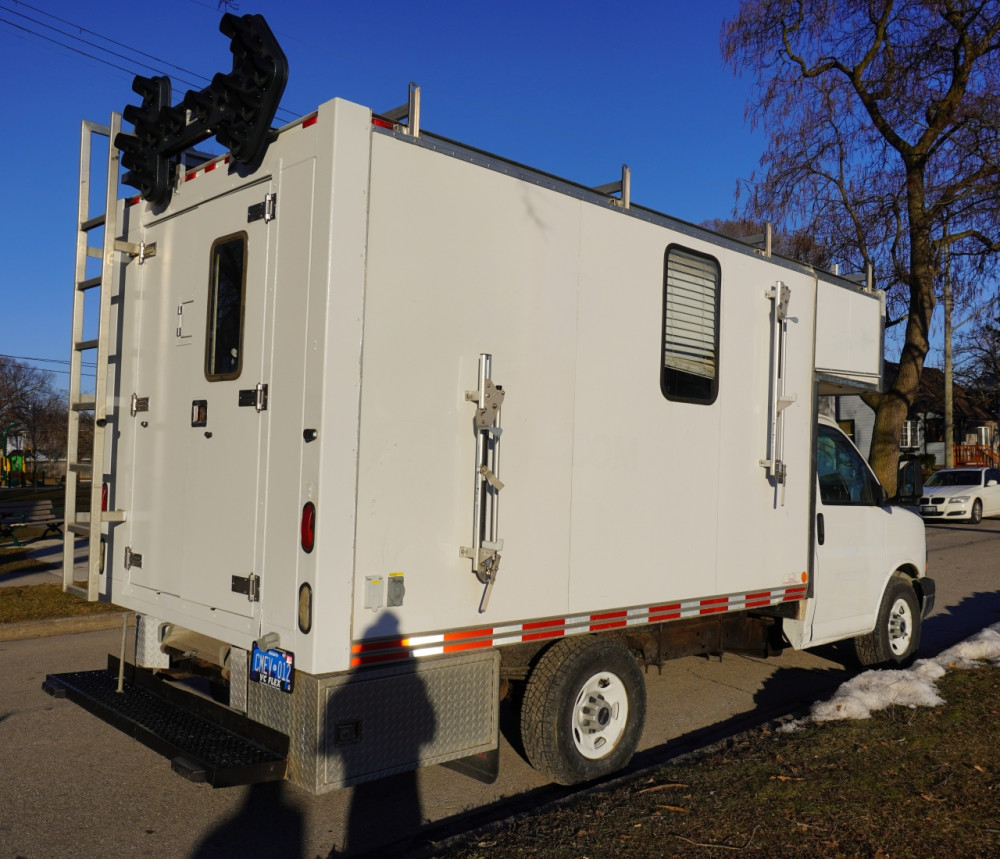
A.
x: 955, y: 478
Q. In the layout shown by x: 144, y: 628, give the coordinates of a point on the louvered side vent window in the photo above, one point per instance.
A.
x: 690, y: 367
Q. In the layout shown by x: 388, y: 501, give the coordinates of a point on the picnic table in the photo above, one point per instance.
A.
x: 29, y: 513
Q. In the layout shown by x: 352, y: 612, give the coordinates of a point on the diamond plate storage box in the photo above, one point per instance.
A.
x: 350, y: 728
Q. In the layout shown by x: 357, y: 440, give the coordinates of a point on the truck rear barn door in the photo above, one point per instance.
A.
x: 200, y: 403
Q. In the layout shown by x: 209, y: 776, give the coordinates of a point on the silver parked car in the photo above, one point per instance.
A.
x: 962, y: 493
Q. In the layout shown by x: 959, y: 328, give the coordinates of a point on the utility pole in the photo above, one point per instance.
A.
x: 949, y: 306
x: 949, y: 403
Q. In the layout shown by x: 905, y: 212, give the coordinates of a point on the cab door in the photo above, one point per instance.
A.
x: 850, y: 540
x: 202, y: 405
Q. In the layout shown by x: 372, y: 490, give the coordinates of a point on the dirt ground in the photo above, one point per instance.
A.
x: 905, y: 783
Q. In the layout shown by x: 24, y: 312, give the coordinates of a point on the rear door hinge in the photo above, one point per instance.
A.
x: 256, y: 397
x: 139, y: 404
x: 142, y: 251
x: 132, y: 559
x: 268, y: 210
x: 249, y: 585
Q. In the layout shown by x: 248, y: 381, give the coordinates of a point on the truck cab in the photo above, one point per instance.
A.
x: 870, y: 560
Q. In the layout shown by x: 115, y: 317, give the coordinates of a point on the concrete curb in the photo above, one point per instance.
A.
x: 64, y: 625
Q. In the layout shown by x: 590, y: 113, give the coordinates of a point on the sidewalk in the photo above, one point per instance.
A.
x: 49, y: 550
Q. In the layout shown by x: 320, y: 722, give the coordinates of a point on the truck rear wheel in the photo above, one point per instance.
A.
x: 896, y: 637
x: 584, y: 708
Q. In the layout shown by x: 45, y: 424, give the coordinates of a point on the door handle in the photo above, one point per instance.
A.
x: 820, y: 528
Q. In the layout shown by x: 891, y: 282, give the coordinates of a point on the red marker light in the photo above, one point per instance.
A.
x: 308, y: 527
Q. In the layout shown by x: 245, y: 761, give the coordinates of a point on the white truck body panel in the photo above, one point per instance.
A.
x: 849, y: 338
x: 390, y: 266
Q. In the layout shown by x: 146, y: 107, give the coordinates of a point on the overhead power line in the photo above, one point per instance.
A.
x: 45, y: 360
x: 157, y: 65
x: 157, y: 60
x: 88, y: 368
x: 37, y: 35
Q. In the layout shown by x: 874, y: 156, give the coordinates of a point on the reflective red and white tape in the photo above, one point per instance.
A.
x: 394, y: 649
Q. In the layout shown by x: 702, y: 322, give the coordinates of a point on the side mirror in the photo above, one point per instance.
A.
x: 991, y: 483
x: 910, y: 479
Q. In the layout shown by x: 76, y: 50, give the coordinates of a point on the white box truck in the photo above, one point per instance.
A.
x: 314, y: 350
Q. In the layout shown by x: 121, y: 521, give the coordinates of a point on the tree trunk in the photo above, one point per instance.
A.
x: 894, y: 406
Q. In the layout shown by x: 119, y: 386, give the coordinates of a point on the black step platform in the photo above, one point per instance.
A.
x: 206, y: 742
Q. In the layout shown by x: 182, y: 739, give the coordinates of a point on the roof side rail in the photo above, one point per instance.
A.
x: 409, y: 111
x: 622, y: 187
x: 761, y: 241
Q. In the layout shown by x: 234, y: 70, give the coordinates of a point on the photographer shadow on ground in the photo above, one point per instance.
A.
x: 267, y: 824
x: 368, y: 737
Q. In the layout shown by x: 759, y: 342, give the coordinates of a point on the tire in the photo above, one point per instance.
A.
x: 583, y: 711
x: 977, y: 512
x: 896, y: 638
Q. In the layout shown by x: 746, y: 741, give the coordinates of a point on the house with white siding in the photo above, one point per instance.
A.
x: 975, y: 430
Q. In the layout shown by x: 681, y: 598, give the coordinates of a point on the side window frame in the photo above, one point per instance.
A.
x: 677, y: 384
x: 214, y: 321
x: 834, y: 490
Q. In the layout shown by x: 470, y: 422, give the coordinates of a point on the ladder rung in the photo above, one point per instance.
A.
x: 92, y: 223
x: 83, y: 345
x: 80, y: 467
x: 77, y: 591
x: 89, y: 284
x: 79, y: 530
x: 84, y: 405
x: 95, y: 253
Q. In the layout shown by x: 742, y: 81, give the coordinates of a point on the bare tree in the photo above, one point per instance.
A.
x: 20, y: 384
x: 883, y: 120
x: 978, y: 363
x: 29, y: 401
x: 800, y: 246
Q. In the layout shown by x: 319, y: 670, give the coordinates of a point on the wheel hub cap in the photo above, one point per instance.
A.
x: 900, y: 627
x: 600, y: 716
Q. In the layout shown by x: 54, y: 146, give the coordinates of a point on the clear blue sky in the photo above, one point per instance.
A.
x: 575, y: 89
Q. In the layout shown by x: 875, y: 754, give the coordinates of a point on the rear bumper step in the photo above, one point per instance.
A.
x: 204, y: 741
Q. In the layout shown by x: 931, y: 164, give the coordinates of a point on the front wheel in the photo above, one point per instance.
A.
x: 896, y: 637
x: 584, y: 708
x: 977, y: 512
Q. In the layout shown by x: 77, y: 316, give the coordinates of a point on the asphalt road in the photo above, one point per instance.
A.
x: 71, y: 785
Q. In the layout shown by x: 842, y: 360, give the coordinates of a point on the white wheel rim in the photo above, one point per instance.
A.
x: 900, y: 627
x: 600, y: 715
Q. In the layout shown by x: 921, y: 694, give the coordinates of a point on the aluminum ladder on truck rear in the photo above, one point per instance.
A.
x: 89, y: 411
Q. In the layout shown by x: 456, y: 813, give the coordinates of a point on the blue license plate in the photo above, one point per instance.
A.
x: 273, y: 667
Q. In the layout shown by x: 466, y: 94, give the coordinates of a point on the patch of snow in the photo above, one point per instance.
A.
x: 875, y: 690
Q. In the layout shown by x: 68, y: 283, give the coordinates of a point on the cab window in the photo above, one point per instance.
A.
x: 226, y: 299
x: 844, y: 477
